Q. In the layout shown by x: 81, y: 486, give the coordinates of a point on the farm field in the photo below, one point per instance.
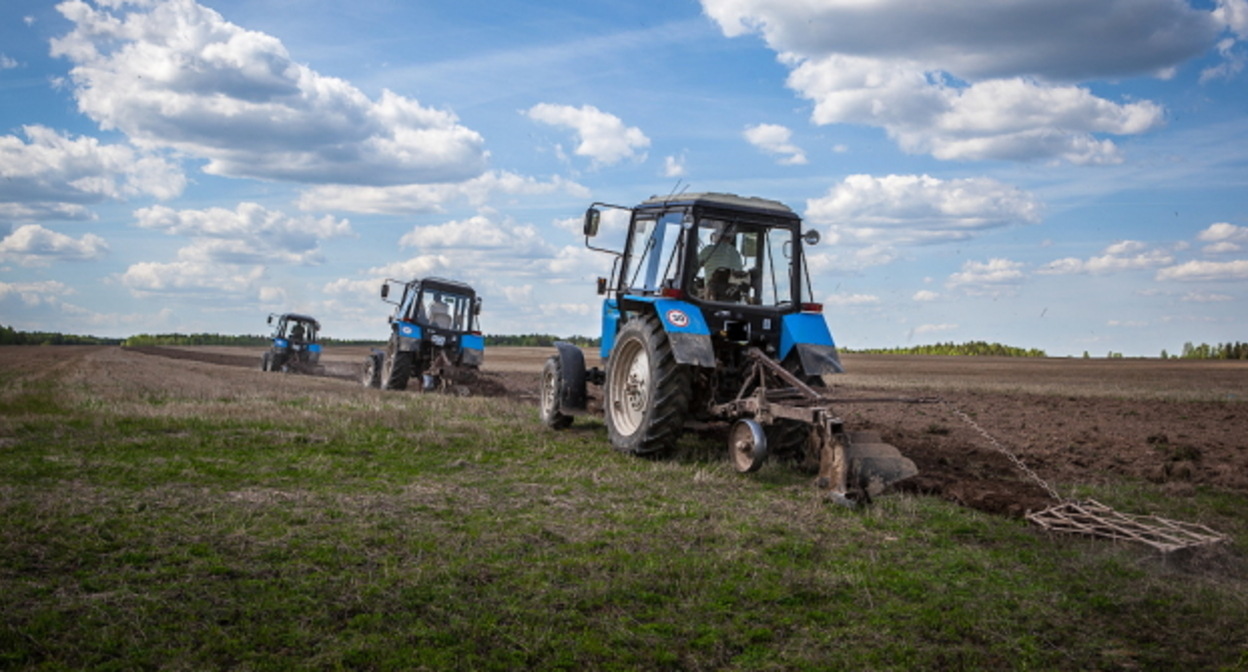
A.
x: 179, y: 508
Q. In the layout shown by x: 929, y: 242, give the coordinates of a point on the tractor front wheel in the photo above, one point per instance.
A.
x: 266, y: 361
x: 552, y: 392
x: 647, y: 392
x: 397, y: 371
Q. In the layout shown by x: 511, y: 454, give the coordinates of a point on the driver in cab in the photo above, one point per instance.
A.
x: 719, y: 262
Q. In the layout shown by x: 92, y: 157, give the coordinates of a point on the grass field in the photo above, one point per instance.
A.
x: 186, y: 516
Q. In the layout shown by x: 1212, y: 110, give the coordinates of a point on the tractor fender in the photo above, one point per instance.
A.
x: 471, y: 350
x: 807, y: 334
x: 686, y: 328
x: 409, y: 336
x: 572, y: 371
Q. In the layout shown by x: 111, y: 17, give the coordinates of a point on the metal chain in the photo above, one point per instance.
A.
x: 1018, y: 462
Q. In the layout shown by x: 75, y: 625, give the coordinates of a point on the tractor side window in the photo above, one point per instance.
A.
x: 777, y: 264
x: 653, y: 256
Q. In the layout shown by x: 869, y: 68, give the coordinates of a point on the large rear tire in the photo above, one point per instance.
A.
x: 397, y: 371
x: 552, y: 392
x: 266, y: 361
x: 646, y: 392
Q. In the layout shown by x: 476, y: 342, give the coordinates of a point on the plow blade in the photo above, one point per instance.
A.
x: 873, y: 464
x: 858, y: 465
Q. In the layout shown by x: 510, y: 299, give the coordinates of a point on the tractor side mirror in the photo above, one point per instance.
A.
x: 602, y: 286
x: 811, y: 237
x: 270, y: 319
x: 592, y: 216
x: 385, y: 290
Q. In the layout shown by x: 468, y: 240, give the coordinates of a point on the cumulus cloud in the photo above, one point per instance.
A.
x: 193, y: 278
x: 7, y: 63
x: 674, y: 166
x: 417, y: 198
x: 34, y: 293
x: 925, y: 295
x: 249, y: 234
x: 602, y: 137
x: 1196, y: 271
x: 775, y: 140
x: 1126, y: 255
x: 997, y: 276
x: 902, y: 209
x: 1223, y: 237
x: 175, y: 74
x: 971, y: 81
x: 49, y: 175
x: 33, y: 245
x: 505, y: 239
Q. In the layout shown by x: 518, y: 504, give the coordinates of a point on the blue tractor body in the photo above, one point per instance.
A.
x: 434, y: 335
x: 294, y: 345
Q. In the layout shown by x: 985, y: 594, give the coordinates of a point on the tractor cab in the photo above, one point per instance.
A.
x: 434, y: 335
x: 294, y: 343
x: 721, y: 266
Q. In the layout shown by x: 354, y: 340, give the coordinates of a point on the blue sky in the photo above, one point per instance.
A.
x: 1054, y: 174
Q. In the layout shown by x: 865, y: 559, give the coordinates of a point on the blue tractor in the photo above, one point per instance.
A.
x: 708, y: 318
x: 294, y: 346
x: 434, y: 336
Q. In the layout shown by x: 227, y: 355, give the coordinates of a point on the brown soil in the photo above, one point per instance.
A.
x: 1179, y: 424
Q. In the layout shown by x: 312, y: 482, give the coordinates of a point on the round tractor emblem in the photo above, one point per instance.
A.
x: 678, y: 318
x: 406, y: 330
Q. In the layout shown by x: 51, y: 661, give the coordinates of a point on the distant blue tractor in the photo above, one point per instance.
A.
x: 433, y: 335
x: 295, y: 346
x: 707, y: 318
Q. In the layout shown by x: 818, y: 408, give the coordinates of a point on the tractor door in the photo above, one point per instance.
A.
x: 653, y: 260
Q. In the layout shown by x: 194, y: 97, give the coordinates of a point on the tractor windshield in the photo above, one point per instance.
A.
x: 742, y: 262
x: 445, y: 309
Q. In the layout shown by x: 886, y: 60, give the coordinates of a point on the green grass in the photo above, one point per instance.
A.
x: 432, y: 532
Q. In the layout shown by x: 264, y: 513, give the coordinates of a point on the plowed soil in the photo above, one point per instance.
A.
x: 1179, y: 424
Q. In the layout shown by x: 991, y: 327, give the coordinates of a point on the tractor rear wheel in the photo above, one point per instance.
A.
x: 647, y: 392
x: 266, y: 361
x: 552, y: 392
x: 397, y: 371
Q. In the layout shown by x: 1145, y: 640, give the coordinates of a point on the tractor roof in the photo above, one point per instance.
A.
x: 451, y: 285
x: 302, y: 318
x: 724, y: 201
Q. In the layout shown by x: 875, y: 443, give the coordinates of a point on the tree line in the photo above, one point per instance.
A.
x: 968, y: 349
x: 11, y: 336
x: 1227, y: 350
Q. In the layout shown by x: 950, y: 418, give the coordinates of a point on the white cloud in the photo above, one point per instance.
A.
x: 7, y: 63
x: 851, y: 299
x: 53, y: 176
x: 674, y: 166
x: 1127, y: 255
x: 1233, y: 13
x: 1223, y: 232
x: 177, y: 75
x: 971, y: 81
x: 33, y: 245
x: 34, y: 293
x: 1194, y: 271
x: 775, y: 140
x: 997, y: 276
x: 925, y: 295
x: 250, y: 234
x: 1232, y: 63
x: 902, y: 209
x: 1126, y: 323
x: 601, y: 137
x: 192, y: 278
x: 933, y: 328
x: 505, y: 239
x: 415, y: 198
x: 1204, y: 297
